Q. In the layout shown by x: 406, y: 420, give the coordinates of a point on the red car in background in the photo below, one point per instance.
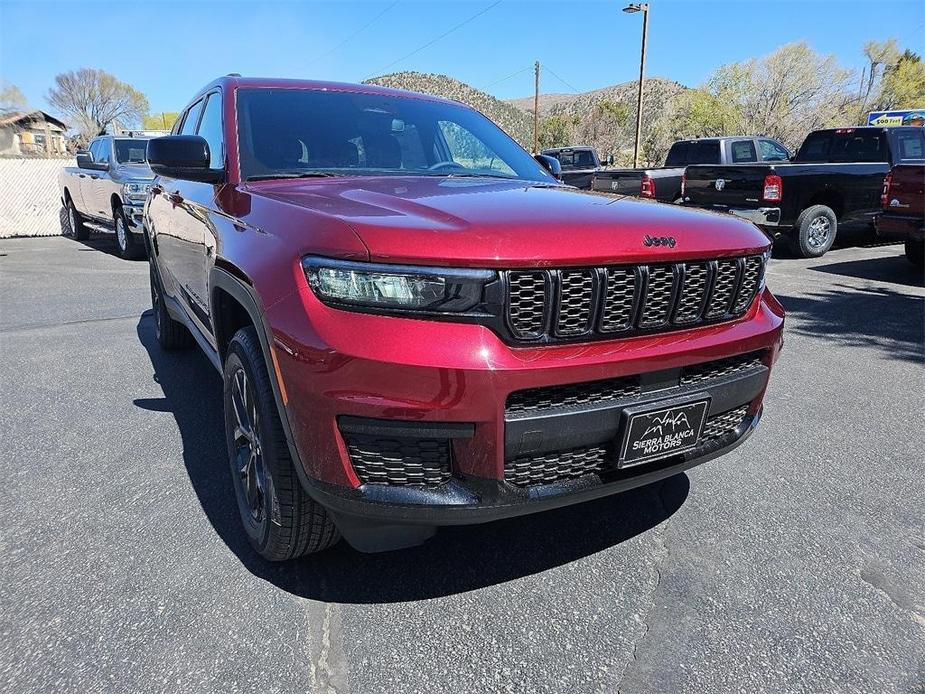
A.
x: 418, y: 325
x: 903, y: 204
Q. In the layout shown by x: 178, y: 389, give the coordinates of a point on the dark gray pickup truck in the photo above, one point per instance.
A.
x: 664, y: 183
x: 836, y: 178
x: 579, y: 164
x: 108, y: 188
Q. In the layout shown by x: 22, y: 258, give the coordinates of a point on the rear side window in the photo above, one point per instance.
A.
x: 677, y: 155
x: 704, y: 152
x: 693, y: 152
x: 192, y: 119
x: 911, y: 145
x: 743, y: 151
x: 851, y: 145
x: 772, y: 151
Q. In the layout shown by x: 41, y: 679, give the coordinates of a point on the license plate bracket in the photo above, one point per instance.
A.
x: 662, y: 429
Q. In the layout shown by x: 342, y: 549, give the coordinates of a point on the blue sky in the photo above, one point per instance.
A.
x: 170, y: 49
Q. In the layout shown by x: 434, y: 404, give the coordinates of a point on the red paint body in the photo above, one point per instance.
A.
x: 333, y: 362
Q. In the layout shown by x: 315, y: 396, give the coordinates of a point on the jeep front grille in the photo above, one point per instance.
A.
x: 548, y: 305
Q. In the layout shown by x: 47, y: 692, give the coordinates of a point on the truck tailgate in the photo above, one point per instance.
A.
x: 727, y: 186
x: 624, y: 182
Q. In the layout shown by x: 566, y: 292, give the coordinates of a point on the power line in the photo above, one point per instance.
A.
x: 549, y: 70
x: 505, y: 79
x: 353, y: 35
x: 442, y: 36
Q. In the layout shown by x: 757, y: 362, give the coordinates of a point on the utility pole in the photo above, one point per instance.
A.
x: 536, y: 107
x: 644, y: 8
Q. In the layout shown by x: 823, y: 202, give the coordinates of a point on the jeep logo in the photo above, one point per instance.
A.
x: 659, y: 241
x: 720, y: 183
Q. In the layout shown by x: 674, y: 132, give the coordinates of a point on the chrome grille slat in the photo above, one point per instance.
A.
x: 598, y: 302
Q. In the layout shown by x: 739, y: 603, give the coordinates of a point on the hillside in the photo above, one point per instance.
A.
x: 514, y: 121
x: 658, y: 91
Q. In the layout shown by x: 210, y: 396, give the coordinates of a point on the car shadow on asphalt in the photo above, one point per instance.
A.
x: 891, y: 269
x: 456, y: 560
x: 878, y: 317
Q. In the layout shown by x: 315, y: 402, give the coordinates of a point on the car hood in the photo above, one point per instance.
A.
x: 134, y: 172
x: 497, y: 223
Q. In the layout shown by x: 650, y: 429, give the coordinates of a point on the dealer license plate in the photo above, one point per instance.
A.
x: 659, y: 432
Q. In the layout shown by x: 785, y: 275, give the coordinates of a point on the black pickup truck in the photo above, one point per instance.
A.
x: 578, y: 164
x: 663, y: 183
x: 835, y: 178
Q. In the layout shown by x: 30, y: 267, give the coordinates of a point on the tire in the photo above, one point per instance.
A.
x: 280, y: 520
x: 75, y: 223
x: 814, y: 232
x: 170, y: 334
x: 915, y: 252
x: 130, y: 248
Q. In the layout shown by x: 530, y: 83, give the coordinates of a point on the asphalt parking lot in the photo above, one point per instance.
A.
x: 794, y: 564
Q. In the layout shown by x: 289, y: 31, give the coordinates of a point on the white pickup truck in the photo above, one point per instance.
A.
x: 108, y: 187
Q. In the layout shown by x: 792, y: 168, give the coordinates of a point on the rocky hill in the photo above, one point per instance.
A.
x: 513, y: 120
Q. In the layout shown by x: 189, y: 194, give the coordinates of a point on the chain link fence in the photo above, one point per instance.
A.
x: 30, y: 201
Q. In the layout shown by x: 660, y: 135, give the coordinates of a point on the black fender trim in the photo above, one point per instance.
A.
x: 220, y: 278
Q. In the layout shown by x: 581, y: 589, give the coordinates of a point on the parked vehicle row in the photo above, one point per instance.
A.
x: 417, y: 325
x: 836, y: 177
x: 108, y: 186
x: 664, y: 183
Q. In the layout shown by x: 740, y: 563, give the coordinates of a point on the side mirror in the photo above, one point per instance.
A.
x: 551, y: 164
x: 182, y: 156
x: 84, y: 160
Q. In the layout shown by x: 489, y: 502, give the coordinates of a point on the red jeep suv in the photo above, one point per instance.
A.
x: 418, y: 325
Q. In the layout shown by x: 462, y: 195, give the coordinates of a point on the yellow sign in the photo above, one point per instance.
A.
x: 887, y: 120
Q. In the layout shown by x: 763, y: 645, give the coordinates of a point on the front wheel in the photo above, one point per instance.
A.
x: 814, y: 232
x: 915, y: 252
x: 129, y: 247
x: 280, y: 520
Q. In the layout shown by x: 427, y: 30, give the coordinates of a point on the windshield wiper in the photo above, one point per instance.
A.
x: 465, y: 174
x: 293, y: 174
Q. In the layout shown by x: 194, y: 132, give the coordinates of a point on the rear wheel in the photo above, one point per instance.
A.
x: 75, y: 223
x: 814, y: 232
x: 915, y: 252
x: 170, y: 334
x: 129, y: 247
x: 280, y: 520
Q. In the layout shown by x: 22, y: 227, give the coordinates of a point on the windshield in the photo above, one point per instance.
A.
x: 574, y: 158
x: 293, y: 132
x: 131, y: 151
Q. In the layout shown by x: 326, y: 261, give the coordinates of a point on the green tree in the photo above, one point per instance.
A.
x: 12, y: 99
x: 903, y: 84
x: 93, y: 99
x: 160, y: 121
x: 556, y: 131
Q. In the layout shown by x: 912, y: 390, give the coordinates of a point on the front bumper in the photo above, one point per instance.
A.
x: 134, y: 214
x: 339, y: 371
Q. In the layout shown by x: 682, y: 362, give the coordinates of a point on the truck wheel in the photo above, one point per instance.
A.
x: 129, y: 247
x: 76, y: 223
x: 170, y: 334
x: 915, y: 252
x: 280, y: 520
x: 814, y: 232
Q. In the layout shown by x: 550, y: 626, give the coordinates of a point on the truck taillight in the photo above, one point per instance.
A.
x: 683, y: 183
x: 885, y: 195
x: 773, y: 188
x: 648, y: 187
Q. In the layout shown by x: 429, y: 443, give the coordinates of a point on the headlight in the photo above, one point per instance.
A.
x: 136, y: 190
x: 396, y: 287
